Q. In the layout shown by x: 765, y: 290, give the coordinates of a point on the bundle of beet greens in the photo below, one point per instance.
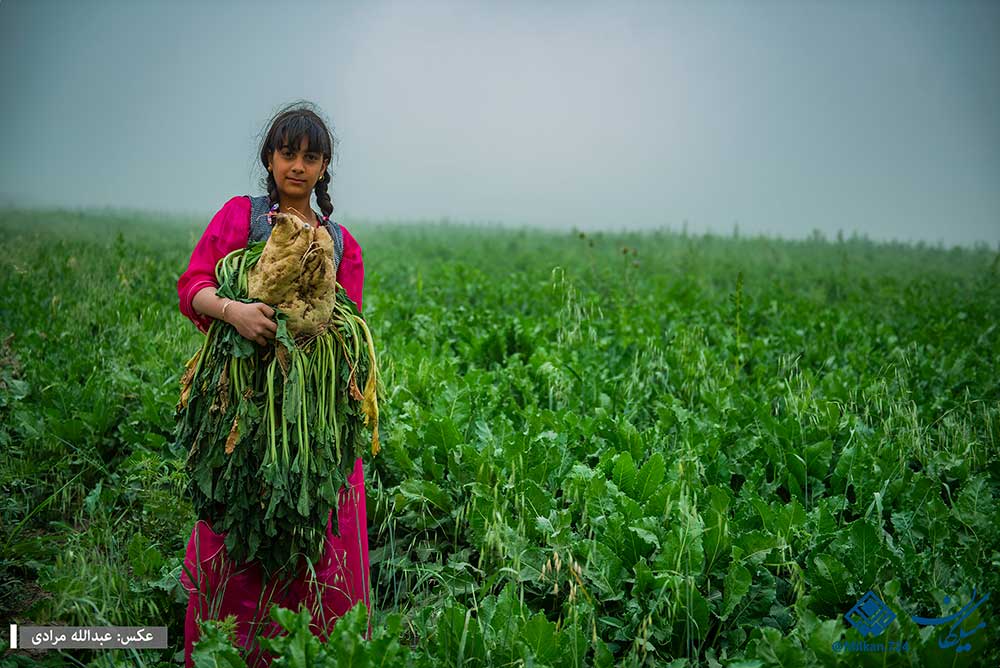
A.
x: 273, y: 431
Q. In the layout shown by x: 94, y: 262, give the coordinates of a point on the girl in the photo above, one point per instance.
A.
x: 296, y: 152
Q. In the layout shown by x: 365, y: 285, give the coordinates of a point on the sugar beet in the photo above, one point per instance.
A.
x: 295, y: 274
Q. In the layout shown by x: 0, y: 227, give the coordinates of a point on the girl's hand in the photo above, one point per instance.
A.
x: 252, y: 321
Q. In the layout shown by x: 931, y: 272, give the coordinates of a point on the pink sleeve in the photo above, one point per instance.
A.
x: 228, y: 230
x: 351, y: 272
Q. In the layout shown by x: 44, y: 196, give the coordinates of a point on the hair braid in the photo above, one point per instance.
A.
x: 272, y: 188
x: 322, y: 196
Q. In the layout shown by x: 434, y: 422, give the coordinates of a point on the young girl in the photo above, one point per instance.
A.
x: 296, y: 153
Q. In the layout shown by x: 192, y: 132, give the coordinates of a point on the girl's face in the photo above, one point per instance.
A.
x: 296, y: 171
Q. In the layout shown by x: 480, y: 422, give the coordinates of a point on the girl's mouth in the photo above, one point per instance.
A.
x: 296, y: 180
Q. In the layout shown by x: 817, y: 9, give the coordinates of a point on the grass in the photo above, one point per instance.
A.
x: 734, y: 438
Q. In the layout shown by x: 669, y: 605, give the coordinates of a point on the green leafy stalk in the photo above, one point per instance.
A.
x: 235, y: 393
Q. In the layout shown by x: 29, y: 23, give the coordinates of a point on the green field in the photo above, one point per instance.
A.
x: 733, y: 439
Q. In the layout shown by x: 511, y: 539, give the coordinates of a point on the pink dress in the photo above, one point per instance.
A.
x: 218, y: 587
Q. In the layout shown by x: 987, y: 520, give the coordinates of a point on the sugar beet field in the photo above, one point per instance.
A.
x: 598, y: 449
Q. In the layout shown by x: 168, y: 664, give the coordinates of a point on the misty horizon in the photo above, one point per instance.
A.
x: 877, y: 120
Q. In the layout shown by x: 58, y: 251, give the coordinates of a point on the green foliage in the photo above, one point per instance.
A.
x: 214, y: 648
x: 298, y: 647
x: 272, y: 505
x: 732, y: 441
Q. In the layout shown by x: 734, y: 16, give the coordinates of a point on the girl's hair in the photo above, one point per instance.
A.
x: 287, y: 128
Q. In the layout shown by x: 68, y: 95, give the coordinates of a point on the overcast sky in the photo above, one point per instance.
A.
x: 781, y: 117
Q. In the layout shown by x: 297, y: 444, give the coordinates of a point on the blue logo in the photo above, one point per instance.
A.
x: 956, y: 634
x: 870, y: 615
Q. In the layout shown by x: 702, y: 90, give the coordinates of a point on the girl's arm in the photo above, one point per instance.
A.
x: 227, y: 231
x: 351, y: 272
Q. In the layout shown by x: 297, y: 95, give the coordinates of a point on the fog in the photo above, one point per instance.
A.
x: 779, y: 118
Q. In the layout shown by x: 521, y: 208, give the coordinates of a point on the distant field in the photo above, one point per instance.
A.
x: 734, y: 438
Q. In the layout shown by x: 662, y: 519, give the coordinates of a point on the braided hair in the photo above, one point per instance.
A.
x: 287, y: 128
